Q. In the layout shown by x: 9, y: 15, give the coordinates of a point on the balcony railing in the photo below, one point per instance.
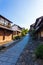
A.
x: 3, y: 24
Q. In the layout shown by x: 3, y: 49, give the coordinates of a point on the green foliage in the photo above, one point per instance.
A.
x: 32, y: 34
x: 39, y: 52
x: 16, y: 37
x: 24, y: 32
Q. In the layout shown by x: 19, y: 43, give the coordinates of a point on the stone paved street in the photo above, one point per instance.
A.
x: 11, y: 55
x: 28, y: 57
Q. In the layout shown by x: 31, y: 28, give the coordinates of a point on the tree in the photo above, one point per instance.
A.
x: 24, y: 32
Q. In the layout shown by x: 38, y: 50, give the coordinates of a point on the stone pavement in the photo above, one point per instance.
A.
x: 11, y: 55
x: 28, y: 57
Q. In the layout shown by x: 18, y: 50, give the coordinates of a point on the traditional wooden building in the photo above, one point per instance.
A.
x: 39, y: 27
x: 32, y: 26
x: 17, y: 29
x: 5, y: 29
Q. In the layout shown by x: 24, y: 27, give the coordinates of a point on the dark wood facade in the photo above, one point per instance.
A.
x: 39, y: 27
x: 32, y: 26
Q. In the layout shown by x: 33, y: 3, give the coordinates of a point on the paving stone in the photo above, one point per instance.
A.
x: 35, y: 63
x: 11, y: 55
x: 6, y: 63
x: 23, y: 63
x: 18, y: 64
x: 28, y: 57
x: 27, y: 51
x: 31, y: 51
x: 11, y: 60
x: 3, y: 58
x: 0, y: 62
x: 33, y: 55
x: 21, y: 58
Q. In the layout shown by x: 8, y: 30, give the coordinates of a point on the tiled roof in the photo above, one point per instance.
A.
x: 16, y: 25
x: 37, y: 20
x: 5, y: 18
x: 32, y: 24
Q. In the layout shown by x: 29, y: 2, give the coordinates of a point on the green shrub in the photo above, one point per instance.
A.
x: 32, y: 34
x: 39, y: 52
x: 24, y: 32
x: 16, y: 37
x: 33, y: 37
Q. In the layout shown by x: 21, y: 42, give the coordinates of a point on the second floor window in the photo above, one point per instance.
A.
x: 6, y: 23
x: 1, y: 21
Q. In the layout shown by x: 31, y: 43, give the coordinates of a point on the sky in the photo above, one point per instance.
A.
x: 21, y: 12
